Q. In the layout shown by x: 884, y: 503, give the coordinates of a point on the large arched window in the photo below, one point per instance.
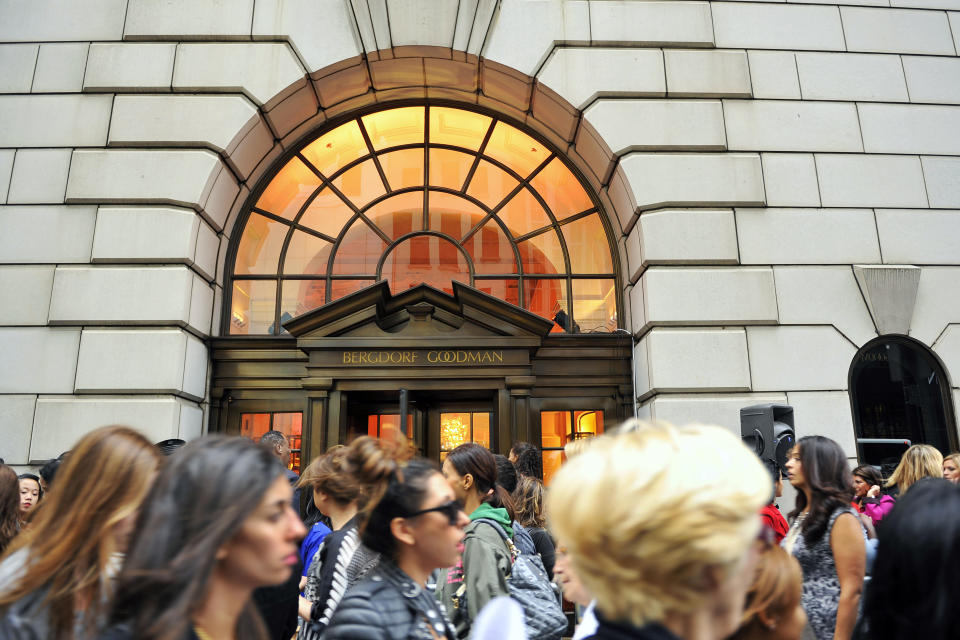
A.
x: 424, y: 194
x: 899, y: 392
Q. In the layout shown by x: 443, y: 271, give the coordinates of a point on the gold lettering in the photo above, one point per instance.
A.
x: 431, y: 356
x: 499, y: 356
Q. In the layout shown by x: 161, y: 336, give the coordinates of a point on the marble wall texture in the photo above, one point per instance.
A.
x: 749, y: 155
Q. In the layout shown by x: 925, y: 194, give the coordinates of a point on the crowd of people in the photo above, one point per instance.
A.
x: 650, y: 532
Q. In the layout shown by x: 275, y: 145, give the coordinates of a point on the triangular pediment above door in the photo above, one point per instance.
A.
x: 420, y: 312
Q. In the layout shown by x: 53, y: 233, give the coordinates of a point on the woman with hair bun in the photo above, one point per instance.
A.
x: 414, y: 522
x: 56, y: 579
x: 217, y: 524
x: 341, y: 560
x: 772, y: 610
x: 661, y: 526
x: 481, y: 574
x: 826, y: 536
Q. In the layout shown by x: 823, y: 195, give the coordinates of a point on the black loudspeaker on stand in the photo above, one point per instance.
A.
x: 768, y: 430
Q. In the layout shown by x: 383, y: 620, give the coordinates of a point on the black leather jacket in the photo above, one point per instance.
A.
x: 388, y: 606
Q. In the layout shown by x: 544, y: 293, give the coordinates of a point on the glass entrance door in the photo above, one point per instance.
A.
x: 459, y: 427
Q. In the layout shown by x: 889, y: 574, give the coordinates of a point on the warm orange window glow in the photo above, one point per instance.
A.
x: 558, y: 429
x: 424, y: 194
x: 254, y: 425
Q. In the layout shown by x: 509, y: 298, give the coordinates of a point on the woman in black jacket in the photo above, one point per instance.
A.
x: 414, y: 522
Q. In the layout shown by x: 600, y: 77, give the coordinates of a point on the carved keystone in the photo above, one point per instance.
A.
x: 891, y: 293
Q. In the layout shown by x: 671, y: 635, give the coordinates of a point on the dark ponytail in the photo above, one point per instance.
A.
x: 479, y: 462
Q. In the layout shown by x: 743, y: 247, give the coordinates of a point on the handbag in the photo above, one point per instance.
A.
x: 529, y: 585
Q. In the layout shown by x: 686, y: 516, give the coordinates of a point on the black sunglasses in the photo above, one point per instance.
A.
x: 450, y: 509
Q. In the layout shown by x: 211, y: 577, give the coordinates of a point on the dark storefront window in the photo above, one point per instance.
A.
x: 557, y: 428
x: 290, y: 424
x: 899, y: 392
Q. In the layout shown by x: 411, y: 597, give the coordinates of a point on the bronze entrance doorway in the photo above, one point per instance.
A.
x: 436, y: 423
x: 475, y: 368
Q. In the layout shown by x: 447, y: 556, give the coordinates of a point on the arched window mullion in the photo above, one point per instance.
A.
x: 426, y: 168
x: 373, y: 154
x: 478, y: 153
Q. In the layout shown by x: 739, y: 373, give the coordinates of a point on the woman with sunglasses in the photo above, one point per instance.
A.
x: 413, y: 520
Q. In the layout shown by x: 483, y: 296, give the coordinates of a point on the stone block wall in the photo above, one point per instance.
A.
x: 748, y: 155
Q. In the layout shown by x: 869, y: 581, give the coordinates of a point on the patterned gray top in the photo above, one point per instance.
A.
x: 821, y: 586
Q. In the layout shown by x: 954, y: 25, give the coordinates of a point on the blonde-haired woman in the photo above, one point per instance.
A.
x: 773, y: 610
x: 673, y: 555
x: 56, y: 576
x: 951, y: 468
x: 918, y: 462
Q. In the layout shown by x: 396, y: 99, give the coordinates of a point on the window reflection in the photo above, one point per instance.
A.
x: 435, y: 194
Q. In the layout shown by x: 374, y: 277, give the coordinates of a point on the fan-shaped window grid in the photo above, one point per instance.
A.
x: 424, y: 194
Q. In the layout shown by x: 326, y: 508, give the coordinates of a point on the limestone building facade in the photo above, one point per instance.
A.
x: 775, y: 185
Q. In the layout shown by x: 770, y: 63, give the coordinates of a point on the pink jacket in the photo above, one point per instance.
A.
x: 877, y: 508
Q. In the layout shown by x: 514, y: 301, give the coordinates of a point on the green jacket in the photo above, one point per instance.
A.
x: 481, y: 574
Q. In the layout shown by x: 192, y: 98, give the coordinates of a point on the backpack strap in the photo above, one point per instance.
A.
x: 511, y: 548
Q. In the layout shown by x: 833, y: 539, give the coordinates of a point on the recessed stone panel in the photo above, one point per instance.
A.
x: 659, y: 180
x: 17, y: 62
x: 919, y: 236
x: 790, y: 179
x: 707, y: 73
x: 773, y: 74
x: 121, y: 295
x: 60, y: 67
x: 852, y: 180
x: 933, y: 79
x: 188, y: 19
x: 266, y: 72
x: 807, y: 236
x: 25, y: 294
x: 889, y: 128
x: 709, y: 296
x: 697, y: 360
x: 61, y: 422
x: 320, y: 31
x: 131, y: 361
x: 790, y: 125
x: 39, y: 176
x: 54, y: 121
x: 129, y: 67
x: 825, y: 413
x: 896, y: 30
x: 638, y: 125
x: 145, y: 234
x: 799, y: 358
x: 941, y: 176
x: 688, y: 236
x: 824, y: 295
x: 621, y: 22
x: 934, y: 310
x: 185, y: 178
x: 62, y: 20
x: 16, y: 416
x: 580, y: 74
x: 707, y: 408
x: 851, y: 76
x: 46, y: 234
x: 38, y: 359
x: 777, y: 26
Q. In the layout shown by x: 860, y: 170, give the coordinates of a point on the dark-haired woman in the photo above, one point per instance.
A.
x: 217, y: 524
x: 826, y: 537
x: 341, y: 560
x: 9, y: 505
x: 866, y: 493
x: 30, y: 495
x: 481, y: 574
x: 56, y: 579
x: 915, y: 582
x: 416, y: 525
